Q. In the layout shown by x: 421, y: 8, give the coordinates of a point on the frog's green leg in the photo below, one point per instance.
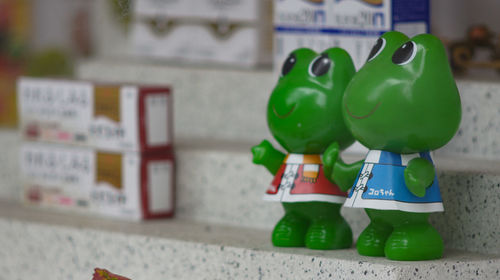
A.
x: 290, y: 231
x: 412, y: 237
x: 414, y: 240
x: 329, y: 233
x: 371, y: 241
x: 325, y: 229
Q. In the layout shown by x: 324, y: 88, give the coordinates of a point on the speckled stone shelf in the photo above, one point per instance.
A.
x: 219, y: 114
x: 47, y: 245
x: 217, y: 183
x: 229, y: 105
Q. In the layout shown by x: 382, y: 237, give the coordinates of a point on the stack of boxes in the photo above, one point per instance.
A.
x: 97, y: 148
x: 230, y: 32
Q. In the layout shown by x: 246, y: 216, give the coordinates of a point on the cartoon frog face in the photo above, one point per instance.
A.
x: 404, y: 99
x: 304, y: 112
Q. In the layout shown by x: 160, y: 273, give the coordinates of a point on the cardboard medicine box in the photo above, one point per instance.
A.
x: 353, y: 25
x: 102, y: 116
x: 121, y: 185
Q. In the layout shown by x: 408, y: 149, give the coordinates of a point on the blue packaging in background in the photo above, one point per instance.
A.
x: 353, y: 25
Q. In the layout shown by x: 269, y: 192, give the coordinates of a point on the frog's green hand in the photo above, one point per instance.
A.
x: 419, y: 175
x: 265, y: 154
x: 345, y: 174
x: 337, y: 171
x: 330, y: 157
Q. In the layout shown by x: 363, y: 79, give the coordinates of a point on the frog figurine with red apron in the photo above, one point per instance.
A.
x: 304, y: 115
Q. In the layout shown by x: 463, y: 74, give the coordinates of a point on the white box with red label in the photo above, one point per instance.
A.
x: 121, y: 185
x: 108, y: 117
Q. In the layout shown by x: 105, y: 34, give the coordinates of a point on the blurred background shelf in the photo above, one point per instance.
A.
x: 38, y: 243
x: 230, y: 105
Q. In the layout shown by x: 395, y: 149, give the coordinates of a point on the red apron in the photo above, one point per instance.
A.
x: 301, y: 178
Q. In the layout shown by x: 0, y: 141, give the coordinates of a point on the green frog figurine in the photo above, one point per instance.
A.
x: 401, y: 104
x: 304, y: 115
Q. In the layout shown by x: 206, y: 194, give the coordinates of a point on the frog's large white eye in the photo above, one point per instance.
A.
x: 376, y: 49
x: 288, y: 65
x: 320, y: 65
x: 405, y: 54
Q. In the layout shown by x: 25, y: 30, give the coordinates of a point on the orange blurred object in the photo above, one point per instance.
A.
x: 14, y: 35
x: 8, y: 104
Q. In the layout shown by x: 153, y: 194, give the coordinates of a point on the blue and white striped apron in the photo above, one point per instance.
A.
x: 381, y: 185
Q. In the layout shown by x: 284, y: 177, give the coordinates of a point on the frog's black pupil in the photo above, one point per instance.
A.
x: 403, y: 54
x: 321, y: 65
x: 288, y: 65
x: 375, y: 48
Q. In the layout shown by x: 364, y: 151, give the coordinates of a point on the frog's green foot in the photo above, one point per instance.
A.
x: 327, y: 234
x: 290, y: 231
x: 414, y: 242
x: 372, y: 240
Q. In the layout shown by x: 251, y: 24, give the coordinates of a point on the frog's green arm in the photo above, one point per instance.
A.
x: 419, y: 175
x: 345, y: 174
x: 337, y: 171
x: 265, y: 154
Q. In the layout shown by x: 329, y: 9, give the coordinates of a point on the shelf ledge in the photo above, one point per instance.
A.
x: 46, y: 244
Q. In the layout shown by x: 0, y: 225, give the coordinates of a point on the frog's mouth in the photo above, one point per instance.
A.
x: 364, y: 116
x: 285, y: 115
